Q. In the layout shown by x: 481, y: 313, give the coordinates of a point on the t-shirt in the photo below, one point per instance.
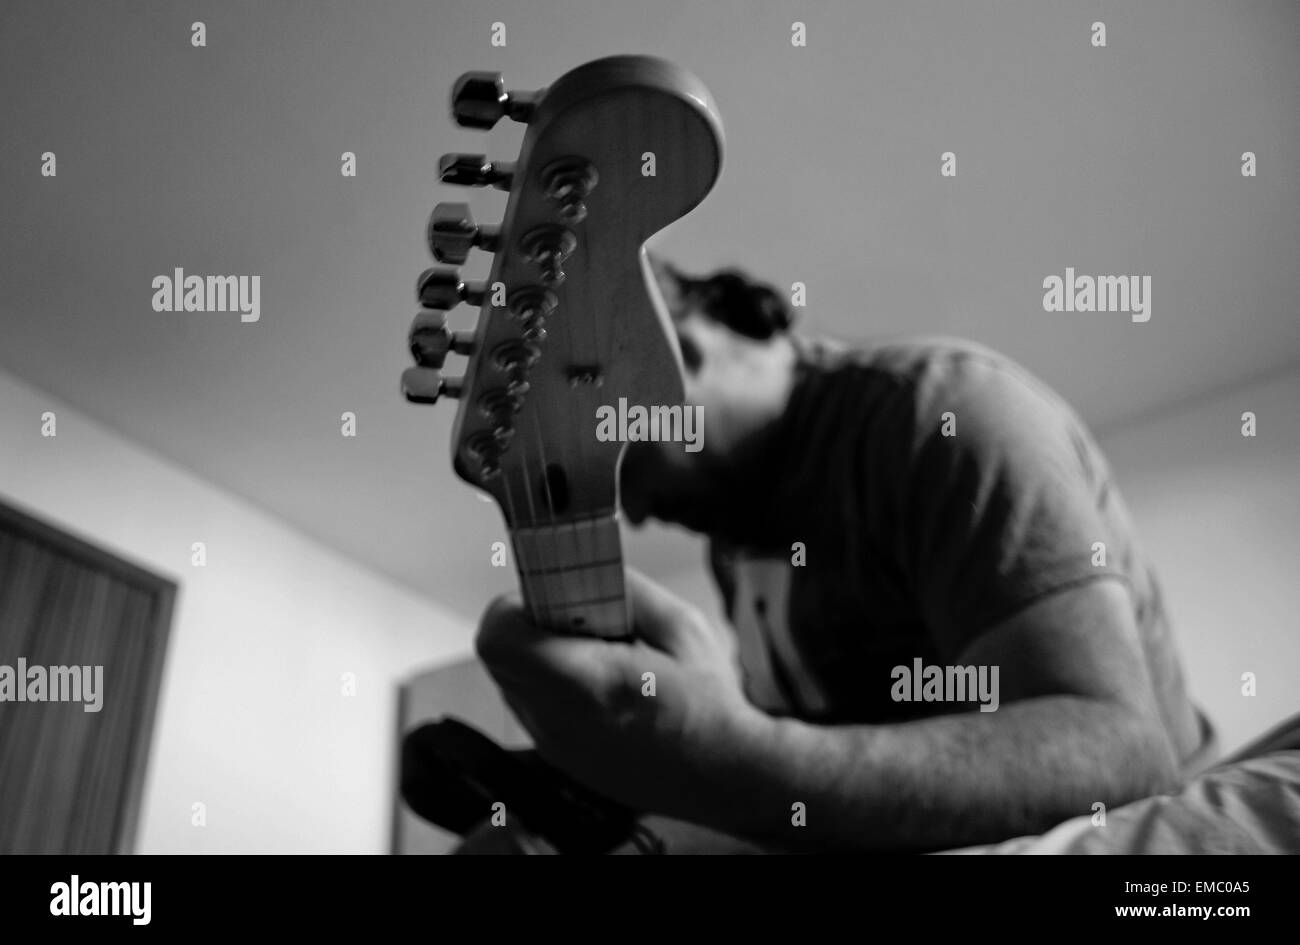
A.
x: 917, y: 493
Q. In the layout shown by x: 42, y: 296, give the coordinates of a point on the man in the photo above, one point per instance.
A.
x: 871, y: 514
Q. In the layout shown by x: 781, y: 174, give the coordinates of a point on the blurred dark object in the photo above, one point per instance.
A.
x: 452, y: 775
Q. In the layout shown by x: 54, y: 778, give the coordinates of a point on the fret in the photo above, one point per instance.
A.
x: 577, y: 582
x: 571, y: 574
x: 572, y: 567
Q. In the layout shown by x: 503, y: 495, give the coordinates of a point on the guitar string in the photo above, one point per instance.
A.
x: 550, y: 505
x: 512, y: 515
x: 598, y: 581
x: 565, y: 466
x: 539, y: 599
x: 538, y: 605
x: 553, y: 618
x: 591, y: 538
x: 533, y: 584
x: 547, y: 615
x: 585, y: 538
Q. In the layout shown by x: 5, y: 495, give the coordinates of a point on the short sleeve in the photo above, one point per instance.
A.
x: 999, y: 498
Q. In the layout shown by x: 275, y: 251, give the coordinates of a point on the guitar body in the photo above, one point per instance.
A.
x: 571, y: 320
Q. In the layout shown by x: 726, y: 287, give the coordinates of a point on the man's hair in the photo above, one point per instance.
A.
x: 729, y: 296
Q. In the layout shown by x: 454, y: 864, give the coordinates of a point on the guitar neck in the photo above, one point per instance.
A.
x: 571, y: 574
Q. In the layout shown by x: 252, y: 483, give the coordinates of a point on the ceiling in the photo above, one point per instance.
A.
x: 225, y: 159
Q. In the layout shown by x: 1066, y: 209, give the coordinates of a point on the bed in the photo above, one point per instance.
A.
x: 1247, y: 803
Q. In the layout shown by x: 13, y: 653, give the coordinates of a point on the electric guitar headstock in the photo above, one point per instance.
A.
x: 570, y: 318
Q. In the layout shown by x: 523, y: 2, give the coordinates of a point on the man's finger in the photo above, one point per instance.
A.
x: 499, y: 628
x: 515, y: 648
x: 660, y: 617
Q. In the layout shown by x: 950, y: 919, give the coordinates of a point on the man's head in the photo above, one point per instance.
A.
x: 729, y: 297
x: 733, y: 336
x: 739, y: 361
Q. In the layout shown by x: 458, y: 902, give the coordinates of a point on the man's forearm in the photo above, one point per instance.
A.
x: 940, y: 782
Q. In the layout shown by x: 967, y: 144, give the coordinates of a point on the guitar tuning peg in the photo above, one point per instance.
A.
x: 485, y: 448
x: 442, y: 288
x: 569, y: 181
x: 424, y: 385
x: 452, y: 234
x: 549, y: 246
x: 515, y: 359
x: 430, y: 341
x: 479, y: 100
x: 475, y: 170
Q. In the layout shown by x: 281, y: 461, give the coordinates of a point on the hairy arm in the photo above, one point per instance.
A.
x: 1077, y: 724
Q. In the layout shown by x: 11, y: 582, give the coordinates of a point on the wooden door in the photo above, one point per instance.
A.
x: 82, y: 639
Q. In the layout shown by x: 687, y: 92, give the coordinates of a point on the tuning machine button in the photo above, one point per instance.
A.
x: 549, y: 246
x: 568, y: 181
x: 442, y: 288
x: 479, y: 100
x: 430, y: 341
x: 475, y: 170
x: 452, y: 234
x: 425, y: 385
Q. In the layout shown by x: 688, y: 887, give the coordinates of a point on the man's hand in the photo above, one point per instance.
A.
x: 655, y: 723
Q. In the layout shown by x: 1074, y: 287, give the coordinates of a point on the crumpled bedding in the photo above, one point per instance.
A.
x: 1249, y: 803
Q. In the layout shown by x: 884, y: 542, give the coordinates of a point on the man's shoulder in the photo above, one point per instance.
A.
x: 923, y: 360
x: 916, y: 379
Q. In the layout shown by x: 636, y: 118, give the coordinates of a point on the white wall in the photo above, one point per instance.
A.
x: 1219, y: 514
x: 251, y: 721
